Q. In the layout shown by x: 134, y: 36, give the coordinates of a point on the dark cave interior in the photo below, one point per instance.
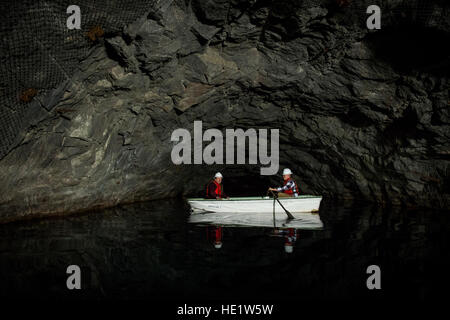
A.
x: 410, y: 49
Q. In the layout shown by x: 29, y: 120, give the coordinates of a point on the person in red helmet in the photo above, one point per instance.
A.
x: 289, y: 189
x: 214, y: 189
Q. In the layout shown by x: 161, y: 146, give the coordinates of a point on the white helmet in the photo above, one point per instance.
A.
x: 287, y: 171
x: 288, y: 248
x: 218, y: 175
x: 218, y: 245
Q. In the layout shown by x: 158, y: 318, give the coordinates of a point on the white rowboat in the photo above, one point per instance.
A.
x: 303, y: 203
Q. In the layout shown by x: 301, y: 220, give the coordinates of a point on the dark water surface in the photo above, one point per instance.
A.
x: 150, y: 251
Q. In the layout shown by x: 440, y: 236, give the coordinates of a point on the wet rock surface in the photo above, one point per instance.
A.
x: 356, y: 118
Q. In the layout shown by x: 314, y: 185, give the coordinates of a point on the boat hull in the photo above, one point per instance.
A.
x: 256, y: 204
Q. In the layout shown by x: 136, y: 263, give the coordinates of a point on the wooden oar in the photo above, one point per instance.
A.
x: 290, y: 216
x: 274, y: 223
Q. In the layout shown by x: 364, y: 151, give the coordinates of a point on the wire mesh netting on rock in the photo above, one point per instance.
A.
x: 38, y: 51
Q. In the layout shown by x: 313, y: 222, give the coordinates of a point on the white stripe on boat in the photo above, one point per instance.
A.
x: 303, y: 203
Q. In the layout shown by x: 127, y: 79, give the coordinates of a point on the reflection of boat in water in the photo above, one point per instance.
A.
x: 303, y: 221
x: 303, y: 203
x: 215, y: 235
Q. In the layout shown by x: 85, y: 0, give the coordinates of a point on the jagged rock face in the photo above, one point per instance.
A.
x: 361, y: 114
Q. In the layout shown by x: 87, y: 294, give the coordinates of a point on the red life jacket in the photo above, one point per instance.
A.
x: 291, y: 236
x: 214, y: 233
x: 291, y: 191
x: 218, y: 189
x: 218, y: 234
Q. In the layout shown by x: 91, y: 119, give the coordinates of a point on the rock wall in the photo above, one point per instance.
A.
x: 361, y: 114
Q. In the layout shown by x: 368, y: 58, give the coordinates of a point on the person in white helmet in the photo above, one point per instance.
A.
x: 289, y: 189
x: 290, y: 237
x: 214, y: 189
x: 218, y: 237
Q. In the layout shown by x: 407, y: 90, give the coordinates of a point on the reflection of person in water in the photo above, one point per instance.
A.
x: 290, y: 236
x: 215, y: 233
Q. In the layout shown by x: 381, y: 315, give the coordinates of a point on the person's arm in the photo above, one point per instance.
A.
x: 224, y: 195
x: 287, y: 186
